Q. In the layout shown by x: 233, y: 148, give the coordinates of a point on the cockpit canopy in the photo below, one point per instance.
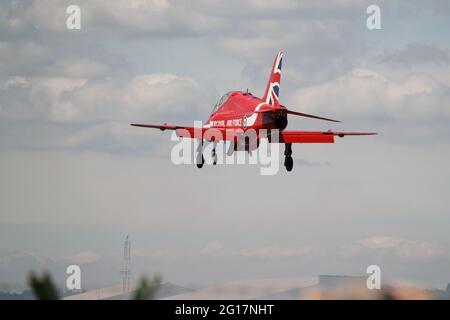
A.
x: 221, y: 101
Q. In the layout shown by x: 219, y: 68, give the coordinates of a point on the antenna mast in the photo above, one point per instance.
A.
x: 125, y: 271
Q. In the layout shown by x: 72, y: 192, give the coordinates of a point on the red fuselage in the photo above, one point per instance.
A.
x: 242, y: 110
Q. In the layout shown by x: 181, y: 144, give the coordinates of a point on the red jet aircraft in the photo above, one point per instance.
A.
x: 238, y: 112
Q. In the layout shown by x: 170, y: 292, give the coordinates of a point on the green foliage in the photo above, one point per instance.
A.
x: 146, y: 288
x: 44, y: 289
x: 42, y: 286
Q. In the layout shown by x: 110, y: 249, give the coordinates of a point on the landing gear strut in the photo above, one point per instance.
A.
x: 288, y: 162
x: 200, y: 159
x: 231, y: 148
x: 213, y: 153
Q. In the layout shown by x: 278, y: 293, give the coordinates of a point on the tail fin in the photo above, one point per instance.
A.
x: 273, y: 86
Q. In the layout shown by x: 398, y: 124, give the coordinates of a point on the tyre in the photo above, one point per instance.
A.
x: 201, y: 162
x: 289, y: 163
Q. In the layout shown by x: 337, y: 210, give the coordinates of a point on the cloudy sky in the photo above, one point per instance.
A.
x: 75, y: 178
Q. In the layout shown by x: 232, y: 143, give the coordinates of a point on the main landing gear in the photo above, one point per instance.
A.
x: 200, y: 159
x: 288, y: 162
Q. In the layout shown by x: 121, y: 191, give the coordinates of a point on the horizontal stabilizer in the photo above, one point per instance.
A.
x: 317, y: 136
x: 301, y: 114
x: 342, y: 134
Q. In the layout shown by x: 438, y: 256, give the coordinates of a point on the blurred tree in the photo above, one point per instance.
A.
x: 146, y: 288
x: 44, y: 289
x: 42, y: 286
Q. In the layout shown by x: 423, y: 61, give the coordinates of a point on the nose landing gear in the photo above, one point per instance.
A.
x: 288, y: 162
x: 213, y: 153
x: 200, y: 159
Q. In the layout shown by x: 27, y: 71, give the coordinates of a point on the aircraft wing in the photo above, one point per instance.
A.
x: 286, y: 136
x: 162, y: 127
x: 193, y: 132
x: 317, y: 136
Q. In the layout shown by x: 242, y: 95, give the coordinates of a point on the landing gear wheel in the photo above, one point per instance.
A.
x: 288, y: 163
x: 200, y: 162
x: 214, y: 156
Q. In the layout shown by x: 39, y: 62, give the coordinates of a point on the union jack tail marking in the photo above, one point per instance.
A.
x: 271, y: 95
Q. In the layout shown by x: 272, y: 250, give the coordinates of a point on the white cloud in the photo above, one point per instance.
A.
x: 102, y: 109
x: 378, y: 242
x: 84, y: 257
x: 83, y: 68
x: 165, y: 16
x: 277, y: 252
x: 143, y: 97
x: 416, y: 53
x: 367, y: 94
x: 15, y: 55
x: 160, y: 253
x: 103, y: 17
x: 403, y: 248
x: 160, y: 93
x: 213, y: 248
x: 11, y: 258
